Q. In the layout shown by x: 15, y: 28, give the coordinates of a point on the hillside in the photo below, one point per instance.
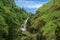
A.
x: 44, y: 25
x: 11, y: 19
x: 46, y: 21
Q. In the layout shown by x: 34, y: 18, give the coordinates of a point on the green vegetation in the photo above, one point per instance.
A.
x: 46, y: 21
x: 11, y: 19
x: 44, y: 25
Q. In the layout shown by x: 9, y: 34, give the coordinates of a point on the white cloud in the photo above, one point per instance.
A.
x: 33, y: 6
x: 30, y: 4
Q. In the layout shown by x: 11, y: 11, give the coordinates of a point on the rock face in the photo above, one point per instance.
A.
x: 57, y: 31
x: 47, y: 20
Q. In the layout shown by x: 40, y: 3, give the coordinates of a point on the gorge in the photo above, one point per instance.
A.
x: 18, y: 24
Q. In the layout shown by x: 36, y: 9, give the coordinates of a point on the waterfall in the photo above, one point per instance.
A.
x: 23, y: 28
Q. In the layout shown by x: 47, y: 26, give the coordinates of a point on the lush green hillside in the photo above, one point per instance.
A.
x: 44, y: 25
x: 46, y: 21
x: 11, y: 18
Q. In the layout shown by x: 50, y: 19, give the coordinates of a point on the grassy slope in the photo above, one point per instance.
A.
x: 47, y: 19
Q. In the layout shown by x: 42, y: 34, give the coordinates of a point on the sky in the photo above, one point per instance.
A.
x: 31, y: 5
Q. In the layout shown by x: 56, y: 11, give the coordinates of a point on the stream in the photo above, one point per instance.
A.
x: 23, y: 28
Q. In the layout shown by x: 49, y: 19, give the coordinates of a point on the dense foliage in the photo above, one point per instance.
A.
x: 11, y: 19
x: 44, y: 25
x: 46, y: 21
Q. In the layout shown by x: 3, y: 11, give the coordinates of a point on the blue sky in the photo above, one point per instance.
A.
x: 30, y: 5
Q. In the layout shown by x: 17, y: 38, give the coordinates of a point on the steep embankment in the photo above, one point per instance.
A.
x: 11, y: 18
x: 46, y: 21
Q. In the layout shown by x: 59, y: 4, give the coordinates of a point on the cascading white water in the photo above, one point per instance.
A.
x: 24, y: 25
